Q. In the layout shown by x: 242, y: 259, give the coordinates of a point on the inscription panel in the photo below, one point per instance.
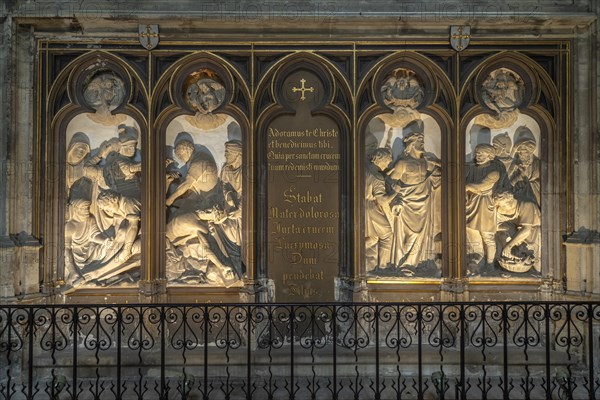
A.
x: 303, y: 164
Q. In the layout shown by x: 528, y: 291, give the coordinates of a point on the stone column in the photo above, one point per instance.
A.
x: 583, y: 244
x: 7, y: 248
x: 18, y: 154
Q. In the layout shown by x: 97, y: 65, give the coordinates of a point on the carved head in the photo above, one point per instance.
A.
x: 484, y: 153
x: 79, y: 148
x: 381, y: 158
x: 525, y: 150
x: 184, y: 150
x: 108, y: 201
x: 502, y: 144
x: 413, y: 135
x: 233, y: 152
x: 105, y: 90
x: 80, y: 209
x: 128, y: 137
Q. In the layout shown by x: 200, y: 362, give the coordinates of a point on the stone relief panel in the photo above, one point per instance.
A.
x: 103, y: 166
x: 503, y: 197
x: 204, y: 188
x: 402, y: 185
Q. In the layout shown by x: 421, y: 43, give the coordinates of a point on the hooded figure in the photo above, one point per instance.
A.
x: 524, y: 172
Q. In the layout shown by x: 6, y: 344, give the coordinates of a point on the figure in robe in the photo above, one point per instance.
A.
x: 502, y: 147
x: 200, y: 205
x: 519, y: 229
x: 485, y: 177
x: 414, y: 177
x: 121, y: 170
x: 230, y: 228
x: 378, y: 229
x: 84, y: 242
x: 122, y: 215
x: 524, y: 172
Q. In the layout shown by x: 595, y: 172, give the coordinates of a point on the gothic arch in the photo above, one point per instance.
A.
x: 335, y: 104
x: 540, y: 104
x: 67, y: 88
x: 168, y: 104
x: 437, y: 102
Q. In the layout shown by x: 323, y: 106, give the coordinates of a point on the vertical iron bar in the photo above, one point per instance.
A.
x: 547, y: 326
x: 162, y: 353
x: 420, y: 351
x: 119, y: 314
x: 292, y: 316
x: 249, y: 353
x: 463, y: 383
x: 591, y: 350
x: 206, y: 352
x: 75, y: 332
x: 505, y: 348
x: 377, y: 392
x: 334, y: 318
x: 30, y: 355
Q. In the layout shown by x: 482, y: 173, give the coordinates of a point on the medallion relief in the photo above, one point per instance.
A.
x: 502, y: 92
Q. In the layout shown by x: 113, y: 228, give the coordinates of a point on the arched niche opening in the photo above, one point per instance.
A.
x: 203, y: 138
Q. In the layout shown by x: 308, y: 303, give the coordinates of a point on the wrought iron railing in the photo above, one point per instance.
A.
x: 296, y: 351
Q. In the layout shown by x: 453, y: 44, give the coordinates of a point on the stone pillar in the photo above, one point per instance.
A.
x: 583, y: 245
x: 7, y: 248
x: 7, y: 269
x: 27, y: 264
x: 21, y: 161
x: 583, y: 250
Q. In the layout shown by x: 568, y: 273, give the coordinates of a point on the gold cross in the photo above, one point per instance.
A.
x: 303, y: 89
x: 148, y: 34
x: 460, y: 37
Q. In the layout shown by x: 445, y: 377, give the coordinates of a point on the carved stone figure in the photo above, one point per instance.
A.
x: 378, y: 230
x: 121, y: 170
x: 524, y: 172
x: 103, y: 188
x: 81, y: 175
x: 485, y: 177
x: 84, y: 243
x: 230, y: 228
x: 502, y: 147
x: 414, y: 177
x: 519, y: 230
x: 198, y: 206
